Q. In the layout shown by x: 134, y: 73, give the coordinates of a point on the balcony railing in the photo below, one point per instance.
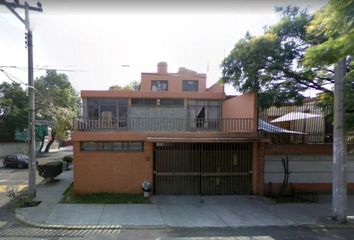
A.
x: 238, y: 125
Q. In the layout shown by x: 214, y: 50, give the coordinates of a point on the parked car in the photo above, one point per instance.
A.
x: 16, y: 160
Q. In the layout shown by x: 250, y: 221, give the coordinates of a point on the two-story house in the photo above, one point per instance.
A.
x: 174, y: 132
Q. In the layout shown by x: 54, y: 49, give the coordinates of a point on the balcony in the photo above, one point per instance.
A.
x: 229, y: 125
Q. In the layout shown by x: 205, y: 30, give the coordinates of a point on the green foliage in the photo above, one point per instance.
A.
x: 50, y: 170
x: 56, y: 101
x: 271, y: 64
x: 102, y: 198
x: 335, y: 24
x: 68, y: 159
x: 133, y: 86
x: 13, y: 110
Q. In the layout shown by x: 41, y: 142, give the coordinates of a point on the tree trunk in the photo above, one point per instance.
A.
x: 50, y: 142
x: 42, y: 143
x: 339, y: 188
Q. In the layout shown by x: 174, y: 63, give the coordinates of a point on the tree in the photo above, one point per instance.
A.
x: 133, y: 86
x: 335, y: 22
x: 13, y: 110
x: 271, y: 64
x: 56, y: 101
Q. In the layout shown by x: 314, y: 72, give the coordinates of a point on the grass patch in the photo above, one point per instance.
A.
x: 103, y: 198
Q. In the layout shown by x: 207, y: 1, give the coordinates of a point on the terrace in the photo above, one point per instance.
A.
x: 225, y: 125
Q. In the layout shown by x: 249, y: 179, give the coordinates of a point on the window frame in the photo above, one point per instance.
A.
x: 101, y: 146
x: 186, y: 82
x: 157, y: 89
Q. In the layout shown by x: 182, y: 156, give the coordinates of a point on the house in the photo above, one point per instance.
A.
x: 176, y: 133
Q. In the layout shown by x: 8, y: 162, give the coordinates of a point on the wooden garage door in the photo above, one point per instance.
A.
x: 203, y: 168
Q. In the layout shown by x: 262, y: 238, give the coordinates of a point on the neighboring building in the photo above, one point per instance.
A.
x: 174, y: 132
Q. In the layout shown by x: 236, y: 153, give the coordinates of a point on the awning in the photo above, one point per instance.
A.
x: 295, y: 116
x: 267, y: 127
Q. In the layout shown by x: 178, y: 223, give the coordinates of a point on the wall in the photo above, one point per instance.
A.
x: 11, y: 148
x: 238, y: 107
x: 310, y: 167
x: 22, y: 147
x: 121, y: 172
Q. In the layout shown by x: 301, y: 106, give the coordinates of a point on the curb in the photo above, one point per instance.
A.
x: 27, y: 222
x: 24, y: 220
x: 30, y: 223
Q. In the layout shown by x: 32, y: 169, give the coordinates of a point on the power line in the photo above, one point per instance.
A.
x: 11, y: 78
x: 42, y: 68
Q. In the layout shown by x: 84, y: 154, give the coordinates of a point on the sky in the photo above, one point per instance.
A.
x: 104, y: 43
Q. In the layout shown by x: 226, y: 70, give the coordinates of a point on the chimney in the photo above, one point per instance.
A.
x: 162, y: 68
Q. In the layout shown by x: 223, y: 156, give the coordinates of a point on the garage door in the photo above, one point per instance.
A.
x: 203, y: 168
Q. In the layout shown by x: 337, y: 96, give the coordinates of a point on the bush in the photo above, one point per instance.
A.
x: 50, y: 170
x: 68, y: 159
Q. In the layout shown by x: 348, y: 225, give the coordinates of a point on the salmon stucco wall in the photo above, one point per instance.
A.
x: 120, y: 172
x: 241, y: 107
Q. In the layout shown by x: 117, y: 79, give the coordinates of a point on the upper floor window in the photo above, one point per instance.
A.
x: 159, y: 85
x: 190, y: 85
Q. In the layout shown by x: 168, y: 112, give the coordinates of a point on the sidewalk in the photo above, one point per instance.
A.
x: 173, y: 211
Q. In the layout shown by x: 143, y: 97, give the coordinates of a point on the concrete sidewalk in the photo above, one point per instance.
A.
x: 172, y: 211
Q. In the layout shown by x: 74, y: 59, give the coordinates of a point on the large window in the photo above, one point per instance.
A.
x: 204, y: 114
x: 159, y: 85
x: 109, y: 146
x: 115, y: 108
x: 190, y: 85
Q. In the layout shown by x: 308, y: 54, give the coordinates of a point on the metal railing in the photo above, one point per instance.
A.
x: 236, y: 125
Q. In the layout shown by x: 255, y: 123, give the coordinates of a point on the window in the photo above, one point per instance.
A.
x: 171, y: 102
x: 114, y: 105
x: 112, y: 146
x: 161, y: 85
x: 190, y: 85
x: 143, y: 102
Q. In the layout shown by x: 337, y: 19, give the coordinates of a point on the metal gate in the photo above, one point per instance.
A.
x: 203, y: 168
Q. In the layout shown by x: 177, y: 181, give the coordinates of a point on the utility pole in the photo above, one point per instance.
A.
x: 31, y: 98
x: 339, y: 187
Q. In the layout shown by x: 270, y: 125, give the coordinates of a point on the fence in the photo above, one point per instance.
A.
x: 297, y: 124
x: 239, y: 125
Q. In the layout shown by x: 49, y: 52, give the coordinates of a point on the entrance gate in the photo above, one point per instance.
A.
x: 203, y: 168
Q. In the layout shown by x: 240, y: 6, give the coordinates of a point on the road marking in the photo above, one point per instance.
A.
x: 17, y: 188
